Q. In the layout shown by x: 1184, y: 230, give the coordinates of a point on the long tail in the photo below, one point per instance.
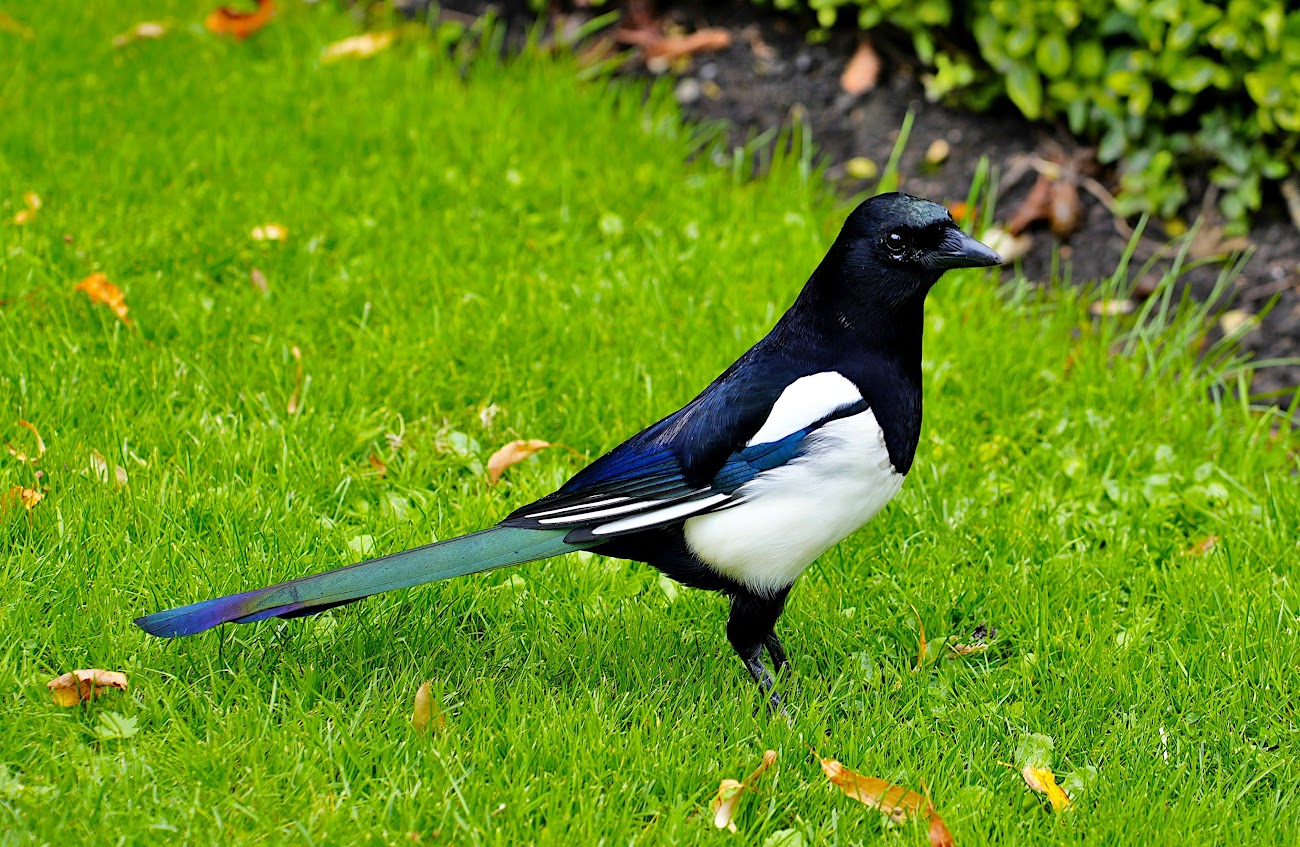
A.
x: 479, y: 551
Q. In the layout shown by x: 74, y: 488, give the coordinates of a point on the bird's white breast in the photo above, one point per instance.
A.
x: 790, y: 515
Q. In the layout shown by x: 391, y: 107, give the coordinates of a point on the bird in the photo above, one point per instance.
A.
x: 794, y: 447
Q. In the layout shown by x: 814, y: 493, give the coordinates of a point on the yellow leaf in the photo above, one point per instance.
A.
x: 427, y: 715
x: 727, y: 799
x: 358, y: 46
x: 270, y: 232
x: 100, y: 290
x: 512, y: 454
x: 81, y: 686
x: 40, y: 445
x: 1043, y: 781
x: 29, y: 497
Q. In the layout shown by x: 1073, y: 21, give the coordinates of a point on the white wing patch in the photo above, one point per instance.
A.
x: 659, y: 516
x: 806, y: 401
x: 590, y: 505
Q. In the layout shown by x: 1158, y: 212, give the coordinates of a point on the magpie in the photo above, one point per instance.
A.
x: 802, y: 441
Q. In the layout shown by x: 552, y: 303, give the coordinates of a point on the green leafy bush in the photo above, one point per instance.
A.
x: 1161, y: 85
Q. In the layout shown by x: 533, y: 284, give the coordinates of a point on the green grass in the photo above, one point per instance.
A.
x: 509, y: 237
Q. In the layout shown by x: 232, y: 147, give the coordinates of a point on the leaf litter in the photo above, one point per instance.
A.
x: 512, y: 454
x: 82, y: 686
x: 100, y: 290
x: 726, y: 802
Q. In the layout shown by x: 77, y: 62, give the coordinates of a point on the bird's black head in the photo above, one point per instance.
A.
x: 895, y: 247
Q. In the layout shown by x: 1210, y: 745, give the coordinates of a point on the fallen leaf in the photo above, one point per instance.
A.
x: 899, y: 803
x: 141, y: 31
x: 28, y: 497
x: 863, y: 70
x: 727, y: 800
x: 1203, y: 546
x: 1234, y: 320
x: 860, y: 167
x: 1111, y: 308
x: 512, y: 454
x: 258, y: 280
x: 32, y: 203
x: 40, y: 445
x: 377, y: 463
x: 1210, y: 241
x: 939, y: 834
x: 670, y: 48
x: 1010, y: 247
x: 82, y: 686
x: 1035, y: 207
x: 1064, y: 211
x: 427, y: 715
x: 1043, y: 781
x: 358, y: 46
x: 269, y: 232
x: 921, y: 646
x: 295, y: 399
x: 99, y: 466
x: 937, y: 153
x: 100, y: 290
x: 237, y: 24
x: 16, y: 27
x: 979, y: 641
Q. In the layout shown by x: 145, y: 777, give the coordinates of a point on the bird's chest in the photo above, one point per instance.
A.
x: 788, y: 516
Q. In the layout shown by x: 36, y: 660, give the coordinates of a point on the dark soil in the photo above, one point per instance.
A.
x: 770, y: 71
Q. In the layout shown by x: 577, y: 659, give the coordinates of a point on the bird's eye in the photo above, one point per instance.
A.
x: 896, y: 244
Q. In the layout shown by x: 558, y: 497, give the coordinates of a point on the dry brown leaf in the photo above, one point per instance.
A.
x: 99, y: 467
x: 258, y: 280
x: 40, y: 445
x: 295, y: 399
x: 1036, y: 206
x: 18, y: 28
x: 939, y: 834
x: 28, y: 497
x: 670, y: 48
x: 427, y: 715
x: 863, y: 70
x: 142, y: 30
x: 100, y: 290
x: 377, y: 463
x: 239, y: 25
x: 512, y: 454
x: 81, y: 686
x: 899, y: 803
x: 1203, y: 546
x: 727, y: 800
x: 1064, y: 211
x: 358, y: 46
x: 269, y: 232
x: 1043, y: 781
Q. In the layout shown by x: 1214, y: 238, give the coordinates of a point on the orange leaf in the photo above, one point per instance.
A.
x: 358, y: 46
x: 427, y: 715
x: 377, y: 463
x: 40, y: 445
x: 29, y: 497
x: 673, y: 47
x: 83, y: 685
x: 100, y: 290
x: 512, y: 454
x: 294, y: 406
x: 899, y: 803
x: 232, y: 22
x: 1203, y: 546
x: 727, y: 800
x: 939, y: 834
x: 1043, y: 781
x: 862, y: 71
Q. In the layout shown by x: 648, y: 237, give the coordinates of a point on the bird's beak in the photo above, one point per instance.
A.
x: 959, y: 250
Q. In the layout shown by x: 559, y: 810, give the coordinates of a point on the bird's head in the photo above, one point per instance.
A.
x: 896, y: 246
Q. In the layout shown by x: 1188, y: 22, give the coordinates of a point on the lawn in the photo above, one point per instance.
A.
x: 480, y: 251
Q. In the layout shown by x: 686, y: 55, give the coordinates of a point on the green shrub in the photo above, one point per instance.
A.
x: 1161, y: 85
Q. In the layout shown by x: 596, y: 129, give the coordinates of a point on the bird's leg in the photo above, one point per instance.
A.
x: 749, y: 629
x: 776, y: 650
